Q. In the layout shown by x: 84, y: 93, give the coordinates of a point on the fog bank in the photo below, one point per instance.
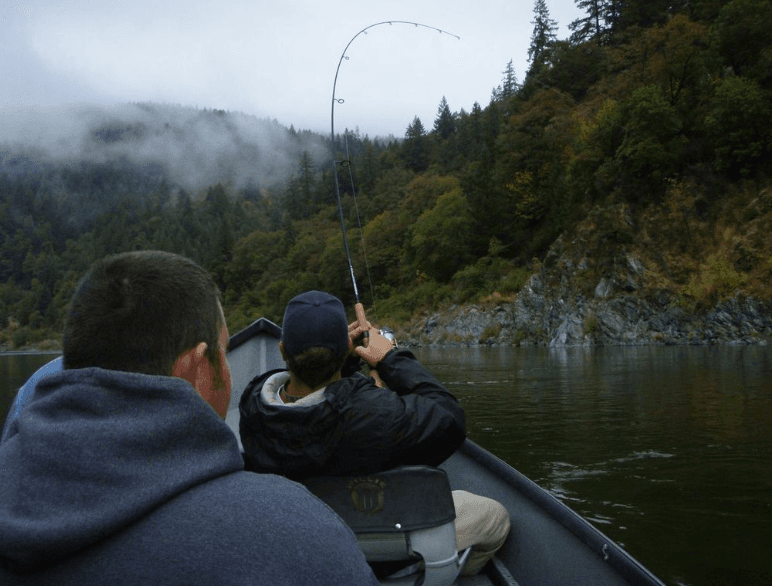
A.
x: 195, y: 148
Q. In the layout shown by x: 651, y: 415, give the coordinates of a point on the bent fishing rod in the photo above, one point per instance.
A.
x: 358, y: 307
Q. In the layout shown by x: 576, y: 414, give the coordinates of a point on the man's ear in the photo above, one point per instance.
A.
x: 283, y: 353
x: 188, y: 364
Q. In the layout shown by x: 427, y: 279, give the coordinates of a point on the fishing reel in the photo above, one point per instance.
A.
x: 387, y: 332
x: 353, y: 362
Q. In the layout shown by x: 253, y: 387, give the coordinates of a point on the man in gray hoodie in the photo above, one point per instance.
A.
x: 121, y: 469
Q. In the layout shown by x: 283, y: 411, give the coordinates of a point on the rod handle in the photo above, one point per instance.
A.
x: 360, y: 311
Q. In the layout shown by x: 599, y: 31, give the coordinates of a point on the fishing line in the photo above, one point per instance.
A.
x: 335, y: 162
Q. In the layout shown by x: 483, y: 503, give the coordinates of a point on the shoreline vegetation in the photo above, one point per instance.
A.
x: 567, y: 301
x: 738, y: 321
x: 619, y: 194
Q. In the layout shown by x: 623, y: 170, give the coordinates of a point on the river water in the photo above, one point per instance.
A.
x: 667, y: 450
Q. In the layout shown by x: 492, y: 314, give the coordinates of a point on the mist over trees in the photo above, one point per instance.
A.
x: 192, y: 147
x: 663, y: 108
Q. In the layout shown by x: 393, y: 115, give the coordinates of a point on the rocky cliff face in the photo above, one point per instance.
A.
x: 596, y: 293
x: 539, y: 316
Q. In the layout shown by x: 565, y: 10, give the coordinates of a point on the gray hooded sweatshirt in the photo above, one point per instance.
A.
x: 118, y: 478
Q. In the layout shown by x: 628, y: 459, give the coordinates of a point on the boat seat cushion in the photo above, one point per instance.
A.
x: 399, y: 500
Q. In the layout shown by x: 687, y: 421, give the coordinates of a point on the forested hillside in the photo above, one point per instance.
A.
x: 648, y: 132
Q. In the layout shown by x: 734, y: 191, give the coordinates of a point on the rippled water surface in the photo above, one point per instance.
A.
x: 666, y: 450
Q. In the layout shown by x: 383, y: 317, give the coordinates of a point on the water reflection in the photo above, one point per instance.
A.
x: 667, y: 450
x: 15, y: 369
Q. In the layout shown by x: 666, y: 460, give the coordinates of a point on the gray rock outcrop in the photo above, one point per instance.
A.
x: 553, y: 310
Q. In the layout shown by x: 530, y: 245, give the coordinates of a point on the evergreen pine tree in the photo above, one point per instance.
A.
x: 593, y: 25
x: 544, y: 34
x: 508, y: 82
x: 414, y: 148
x: 444, y: 124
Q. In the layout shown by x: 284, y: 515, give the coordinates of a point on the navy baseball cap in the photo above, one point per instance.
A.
x: 314, y: 319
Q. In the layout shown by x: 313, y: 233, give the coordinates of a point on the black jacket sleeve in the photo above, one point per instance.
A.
x: 415, y: 421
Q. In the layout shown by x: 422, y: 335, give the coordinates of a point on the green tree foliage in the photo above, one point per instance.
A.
x: 369, y: 167
x: 644, y: 95
x: 740, y: 122
x: 650, y: 149
x: 415, y: 147
x: 676, y: 57
x: 744, y: 41
x: 437, y: 244
x: 591, y: 173
x: 663, y: 80
x: 529, y: 175
x: 298, y: 197
x: 444, y: 124
x: 422, y: 193
x: 42, y: 270
x: 509, y: 85
x: 254, y: 263
x: 574, y: 71
x: 642, y: 14
x: 334, y: 275
x: 543, y: 35
x: 445, y: 135
x: 384, y: 244
x: 592, y: 26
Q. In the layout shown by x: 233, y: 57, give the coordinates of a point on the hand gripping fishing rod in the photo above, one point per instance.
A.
x: 358, y: 307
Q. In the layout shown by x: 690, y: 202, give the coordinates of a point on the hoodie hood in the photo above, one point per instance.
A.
x: 294, y: 440
x: 95, y: 451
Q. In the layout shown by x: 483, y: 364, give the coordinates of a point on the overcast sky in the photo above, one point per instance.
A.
x: 272, y: 59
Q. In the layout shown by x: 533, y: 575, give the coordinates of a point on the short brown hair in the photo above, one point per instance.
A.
x: 316, y: 365
x: 138, y: 311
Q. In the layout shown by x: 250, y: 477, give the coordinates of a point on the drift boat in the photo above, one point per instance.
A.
x: 549, y: 544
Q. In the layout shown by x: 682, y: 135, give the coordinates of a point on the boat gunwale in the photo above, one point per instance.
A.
x: 259, y: 325
x: 606, y: 548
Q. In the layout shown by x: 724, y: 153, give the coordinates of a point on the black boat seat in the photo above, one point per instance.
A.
x: 405, y: 514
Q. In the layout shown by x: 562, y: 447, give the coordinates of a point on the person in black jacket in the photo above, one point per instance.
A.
x: 310, y: 420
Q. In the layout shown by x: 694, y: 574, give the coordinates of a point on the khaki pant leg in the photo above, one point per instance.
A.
x: 481, y: 523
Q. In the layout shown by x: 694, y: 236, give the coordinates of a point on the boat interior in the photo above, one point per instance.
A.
x: 548, y: 542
